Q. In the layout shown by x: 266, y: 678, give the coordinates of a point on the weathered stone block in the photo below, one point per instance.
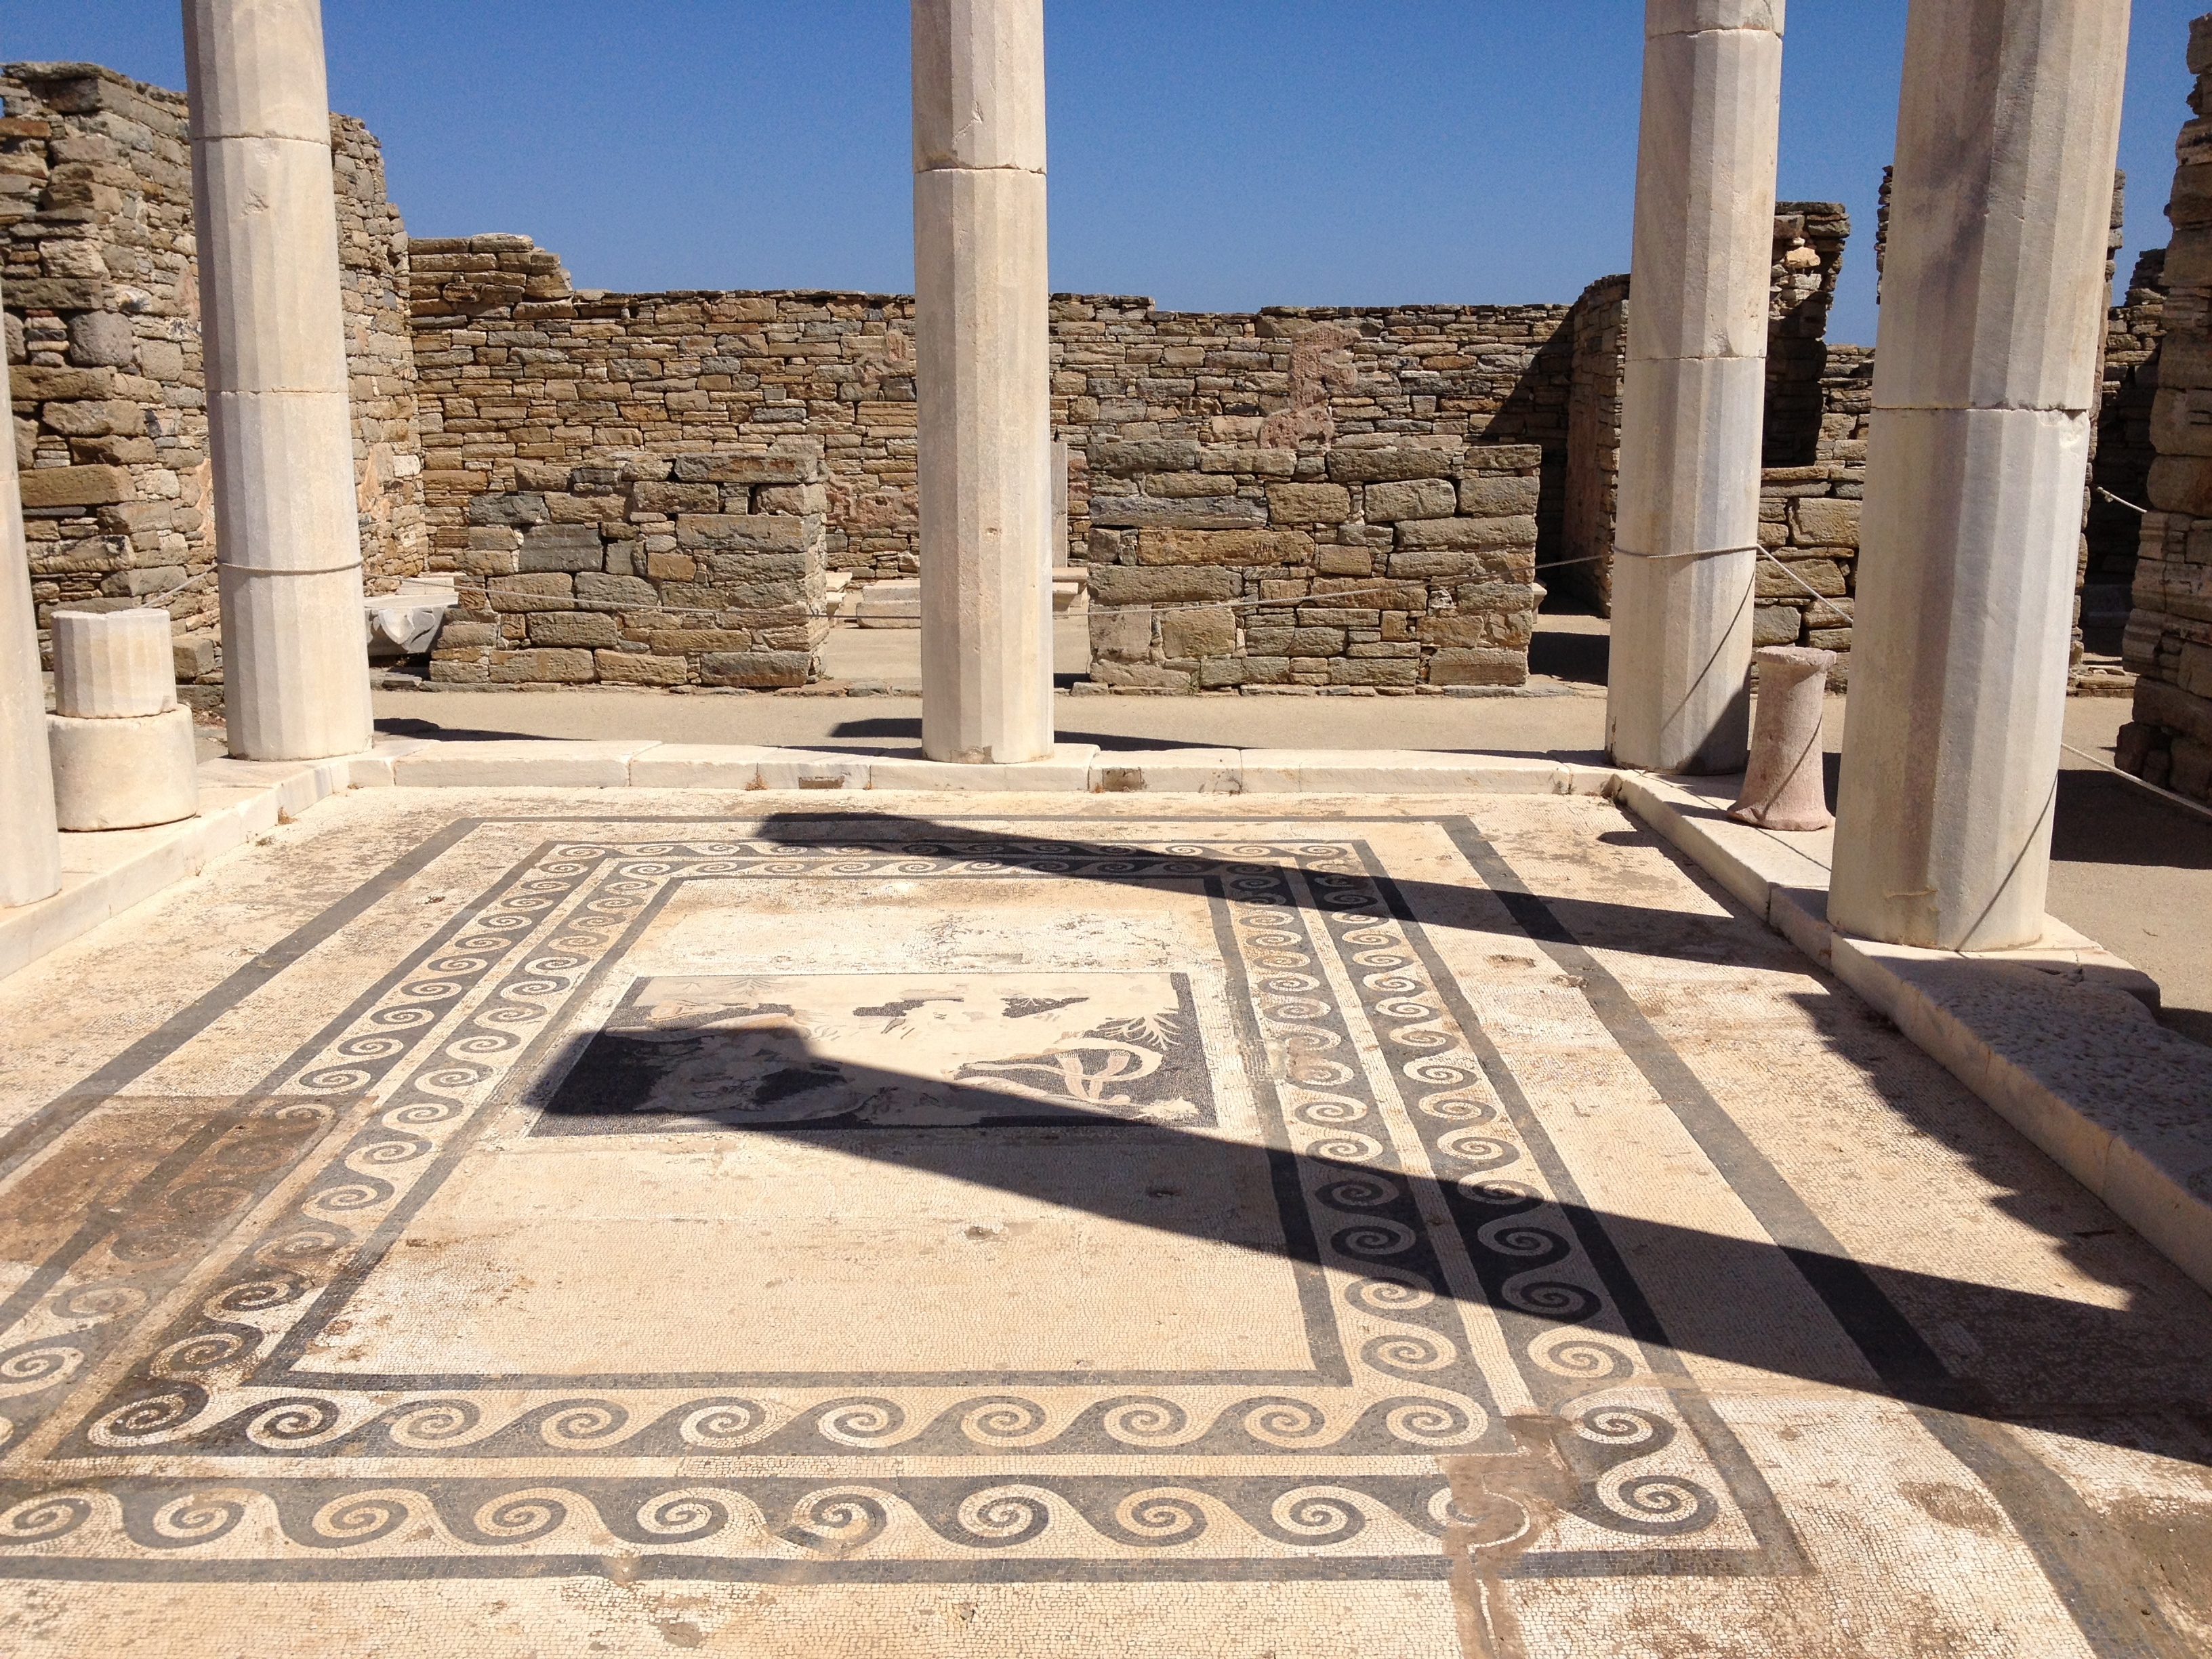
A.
x: 600, y: 591
x: 1489, y: 496
x: 542, y: 591
x: 1120, y: 584
x: 1202, y: 512
x: 1390, y: 465
x: 1501, y: 457
x: 1776, y: 625
x: 1824, y: 576
x: 1189, y: 634
x: 681, y: 641
x: 1343, y: 561
x: 1309, y: 503
x: 754, y: 668
x: 1228, y: 547
x: 797, y: 499
x: 1490, y: 666
x: 784, y: 467
x: 668, y: 501
x: 591, y: 628
x: 1152, y: 455
x: 1823, y: 521
x: 1145, y: 675
x: 2179, y: 483
x: 1316, y: 642
x: 1494, y: 565
x: 35, y: 383
x: 1374, y: 670
x: 563, y: 667
x: 758, y: 532
x: 1417, y: 498
x: 102, y: 339
x: 95, y: 417
x: 569, y: 547
x: 74, y: 486
x: 521, y: 510
x: 640, y: 668
x: 1422, y: 534
x: 1122, y: 635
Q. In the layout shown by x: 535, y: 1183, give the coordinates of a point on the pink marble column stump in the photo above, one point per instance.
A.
x: 1783, y: 787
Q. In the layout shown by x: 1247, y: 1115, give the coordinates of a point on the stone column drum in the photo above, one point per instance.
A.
x: 1985, y: 388
x: 982, y: 324
x: 295, y: 668
x: 122, y: 747
x: 30, y: 852
x: 1785, y: 785
x: 1693, y: 388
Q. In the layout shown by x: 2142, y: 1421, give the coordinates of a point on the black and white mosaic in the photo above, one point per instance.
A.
x: 185, y: 1391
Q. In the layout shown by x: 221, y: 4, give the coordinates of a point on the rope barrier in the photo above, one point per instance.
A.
x: 2200, y: 810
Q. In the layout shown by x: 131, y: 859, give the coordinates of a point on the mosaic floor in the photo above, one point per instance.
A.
x: 776, y: 1224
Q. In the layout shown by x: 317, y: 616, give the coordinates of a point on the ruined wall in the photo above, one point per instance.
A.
x: 2119, y: 474
x: 1372, y: 564
x: 2169, y: 638
x: 530, y: 386
x: 1597, y: 324
x: 104, y: 347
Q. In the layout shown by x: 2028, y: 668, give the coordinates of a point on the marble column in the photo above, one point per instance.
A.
x: 982, y: 333
x: 295, y: 660
x: 1985, y: 389
x: 30, y: 848
x: 1693, y: 392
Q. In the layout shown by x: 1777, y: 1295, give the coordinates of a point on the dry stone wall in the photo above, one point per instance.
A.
x: 586, y: 403
x: 103, y: 341
x: 2169, y: 637
x: 2120, y: 473
x: 1371, y: 565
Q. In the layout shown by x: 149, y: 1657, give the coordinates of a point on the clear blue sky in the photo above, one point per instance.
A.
x: 1217, y: 155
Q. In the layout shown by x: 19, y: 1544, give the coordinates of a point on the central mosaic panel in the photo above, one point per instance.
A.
x: 891, y: 1050
x: 1169, y: 1215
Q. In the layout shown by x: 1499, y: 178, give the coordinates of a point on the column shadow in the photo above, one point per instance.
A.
x: 2128, y: 1363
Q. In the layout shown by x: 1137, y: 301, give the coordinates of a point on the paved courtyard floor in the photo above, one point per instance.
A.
x: 481, y: 1223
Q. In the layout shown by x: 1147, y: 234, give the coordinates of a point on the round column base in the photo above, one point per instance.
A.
x: 123, y: 774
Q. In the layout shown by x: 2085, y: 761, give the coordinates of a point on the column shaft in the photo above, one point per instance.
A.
x: 1693, y: 389
x: 982, y: 337
x: 30, y: 848
x: 296, y: 671
x: 1986, y: 386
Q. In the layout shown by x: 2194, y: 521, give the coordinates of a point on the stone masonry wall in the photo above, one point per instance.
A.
x: 2169, y: 637
x: 2124, y: 451
x: 1371, y: 565
x: 529, y: 386
x: 104, y: 349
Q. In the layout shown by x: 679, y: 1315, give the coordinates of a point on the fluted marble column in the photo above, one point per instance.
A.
x: 30, y: 848
x: 295, y: 659
x: 1694, y: 392
x: 982, y: 333
x: 1986, y: 386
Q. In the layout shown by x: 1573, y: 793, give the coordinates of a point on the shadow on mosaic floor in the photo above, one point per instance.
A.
x: 2136, y: 1375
